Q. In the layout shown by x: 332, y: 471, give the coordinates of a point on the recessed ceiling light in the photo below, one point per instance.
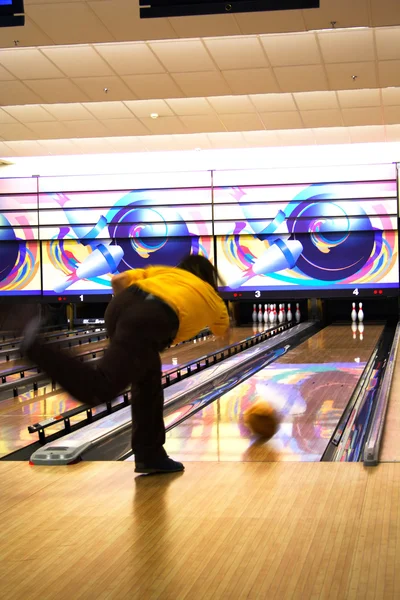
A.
x: 154, y: 115
x: 105, y: 90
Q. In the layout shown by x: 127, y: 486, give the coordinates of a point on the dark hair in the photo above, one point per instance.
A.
x: 202, y: 268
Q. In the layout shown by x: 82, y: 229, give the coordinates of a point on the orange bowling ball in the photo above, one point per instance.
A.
x: 261, y: 418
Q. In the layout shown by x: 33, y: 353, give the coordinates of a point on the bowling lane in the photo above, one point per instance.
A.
x: 16, y: 414
x: 309, y: 386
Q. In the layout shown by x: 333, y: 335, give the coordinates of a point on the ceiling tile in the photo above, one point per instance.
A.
x: 86, y: 129
x: 388, y: 42
x: 15, y: 131
x: 392, y: 133
x: 340, y: 75
x: 122, y: 19
x: 28, y: 64
x: 202, y: 123
x: 296, y: 49
x: 241, y: 122
x: 192, y: 141
x: 108, y: 110
x: 251, y: 81
x: 297, y: 138
x: 226, y: 140
x: 57, y: 90
x: 69, y: 112
x: 183, y: 56
x: 301, y: 79
x: 59, y: 147
x: 384, y: 13
x: 232, y: 104
x: 28, y: 35
x: 201, y: 84
x: 322, y: 118
x: 256, y: 139
x: 144, y: 108
x: 130, y: 59
x: 280, y: 21
x: 15, y: 92
x: 5, y: 117
x: 5, y: 75
x: 362, y: 116
x: 342, y: 12
x: 237, y: 52
x: 347, y: 46
x: 391, y: 96
x: 362, y: 135
x: 49, y: 130
x: 153, y: 86
x: 392, y: 115
x: 332, y: 135
x: 126, y: 144
x: 94, y: 88
x: 26, y: 148
x: 205, y: 26
x: 282, y: 120
x: 78, y: 61
x: 159, y: 143
x: 354, y: 98
x: 29, y: 114
x: 316, y: 100
x: 389, y: 73
x: 69, y: 23
x: 273, y: 102
x: 190, y: 106
x: 121, y: 127
x: 164, y: 125
x: 94, y: 145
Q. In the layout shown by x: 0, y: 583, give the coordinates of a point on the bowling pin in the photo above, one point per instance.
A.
x: 297, y: 314
x: 254, y: 313
x: 354, y: 330
x: 289, y: 315
x: 271, y: 315
x: 360, y: 313
x: 354, y: 313
x: 280, y: 315
x: 260, y: 313
x: 361, y: 330
x: 266, y: 313
x: 283, y: 312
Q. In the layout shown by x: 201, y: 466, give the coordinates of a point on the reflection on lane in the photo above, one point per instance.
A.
x: 309, y: 396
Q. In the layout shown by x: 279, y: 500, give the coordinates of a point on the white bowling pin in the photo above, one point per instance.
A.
x: 254, y: 313
x: 271, y: 314
x: 280, y: 314
x: 289, y: 315
x: 297, y: 314
x: 260, y: 313
x: 361, y: 330
x: 266, y: 313
x: 360, y: 313
x: 354, y: 313
x: 354, y: 330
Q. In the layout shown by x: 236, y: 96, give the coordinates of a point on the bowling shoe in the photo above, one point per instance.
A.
x: 161, y: 465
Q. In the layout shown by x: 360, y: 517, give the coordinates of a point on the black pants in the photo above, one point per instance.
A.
x: 140, y: 327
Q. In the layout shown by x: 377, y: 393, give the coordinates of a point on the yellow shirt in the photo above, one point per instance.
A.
x: 195, y: 302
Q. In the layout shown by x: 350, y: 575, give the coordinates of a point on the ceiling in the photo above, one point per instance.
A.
x: 86, y: 76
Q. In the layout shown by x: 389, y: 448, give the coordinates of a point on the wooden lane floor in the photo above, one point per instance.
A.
x: 220, y: 531
x: 309, y: 386
x: 16, y: 414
